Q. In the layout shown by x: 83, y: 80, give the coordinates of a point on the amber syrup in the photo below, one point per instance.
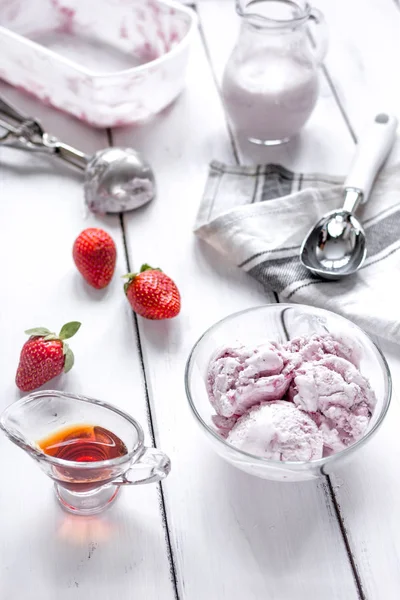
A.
x: 83, y: 444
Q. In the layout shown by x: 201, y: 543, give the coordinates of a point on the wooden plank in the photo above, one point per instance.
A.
x: 367, y: 492
x: 233, y: 536
x: 45, y: 553
x: 362, y: 63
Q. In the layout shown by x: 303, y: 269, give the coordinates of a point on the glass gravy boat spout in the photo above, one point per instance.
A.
x: 87, y: 447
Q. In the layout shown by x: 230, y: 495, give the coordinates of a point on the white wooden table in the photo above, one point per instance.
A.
x: 209, y: 532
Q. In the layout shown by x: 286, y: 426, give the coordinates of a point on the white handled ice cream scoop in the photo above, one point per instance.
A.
x: 335, y: 246
x: 115, y: 179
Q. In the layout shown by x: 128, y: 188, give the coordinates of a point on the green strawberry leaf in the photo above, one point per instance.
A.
x: 51, y: 336
x: 131, y: 276
x: 147, y: 267
x: 68, y: 330
x: 69, y: 360
x: 65, y: 348
x: 38, y: 331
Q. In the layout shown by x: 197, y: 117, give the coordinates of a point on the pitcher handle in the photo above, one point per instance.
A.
x: 321, y: 39
x: 156, y: 463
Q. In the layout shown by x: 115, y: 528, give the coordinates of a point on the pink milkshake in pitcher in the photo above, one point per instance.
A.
x: 270, y: 84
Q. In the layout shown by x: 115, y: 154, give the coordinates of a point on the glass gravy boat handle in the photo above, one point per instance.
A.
x: 320, y: 40
x: 153, y: 462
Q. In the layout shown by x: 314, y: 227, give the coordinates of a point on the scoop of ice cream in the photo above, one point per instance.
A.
x: 243, y: 376
x: 332, y: 381
x: 277, y: 431
x: 340, y: 427
x: 315, y: 347
x: 338, y: 396
x: 224, y: 424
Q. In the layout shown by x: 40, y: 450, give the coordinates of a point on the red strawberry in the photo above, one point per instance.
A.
x: 95, y: 254
x: 44, y: 356
x: 152, y: 294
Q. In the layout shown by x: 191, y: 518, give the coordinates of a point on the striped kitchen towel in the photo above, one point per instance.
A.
x: 258, y: 216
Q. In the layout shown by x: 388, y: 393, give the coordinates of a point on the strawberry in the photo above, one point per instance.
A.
x: 44, y: 356
x: 95, y: 254
x: 152, y: 294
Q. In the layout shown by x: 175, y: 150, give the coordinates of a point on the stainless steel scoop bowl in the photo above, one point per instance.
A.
x: 336, y: 247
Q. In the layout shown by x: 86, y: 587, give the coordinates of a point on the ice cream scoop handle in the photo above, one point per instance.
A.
x: 372, y: 151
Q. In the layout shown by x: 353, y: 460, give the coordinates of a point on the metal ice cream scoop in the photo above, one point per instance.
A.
x: 115, y: 179
x: 336, y: 245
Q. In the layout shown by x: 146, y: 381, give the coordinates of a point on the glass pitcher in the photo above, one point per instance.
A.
x: 86, y: 480
x: 270, y: 84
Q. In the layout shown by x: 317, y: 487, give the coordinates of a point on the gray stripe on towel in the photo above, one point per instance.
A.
x: 380, y: 235
x: 278, y: 181
x: 279, y: 273
x: 383, y: 233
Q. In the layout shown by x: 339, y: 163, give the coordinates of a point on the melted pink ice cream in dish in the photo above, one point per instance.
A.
x: 297, y: 401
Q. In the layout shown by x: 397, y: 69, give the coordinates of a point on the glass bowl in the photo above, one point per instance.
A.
x: 107, y: 62
x: 280, y: 322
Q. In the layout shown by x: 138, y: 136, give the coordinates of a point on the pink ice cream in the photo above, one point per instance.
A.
x: 340, y: 428
x: 339, y: 397
x: 240, y: 377
x: 266, y: 396
x: 316, y: 347
x: 277, y: 431
x: 224, y: 424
